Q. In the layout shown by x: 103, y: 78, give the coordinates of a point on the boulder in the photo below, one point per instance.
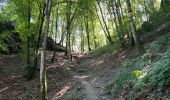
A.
x: 53, y: 46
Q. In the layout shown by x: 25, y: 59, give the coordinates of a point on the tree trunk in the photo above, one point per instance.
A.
x: 94, y: 36
x: 107, y: 30
x: 30, y: 69
x: 122, y: 41
x: 87, y: 32
x: 120, y: 28
x: 133, y: 28
x: 107, y: 37
x: 42, y: 14
x: 68, y: 23
x: 56, y: 28
x: 62, y: 34
x: 43, y: 80
x: 82, y: 39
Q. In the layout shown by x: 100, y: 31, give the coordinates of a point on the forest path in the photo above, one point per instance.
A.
x: 93, y: 75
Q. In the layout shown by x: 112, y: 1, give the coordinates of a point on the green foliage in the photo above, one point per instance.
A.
x: 3, y: 36
x: 159, y: 74
x: 137, y: 73
x: 126, y: 63
x: 23, y: 56
x: 3, y: 47
x: 150, y: 71
x: 159, y: 45
x: 156, y: 20
x: 105, y: 49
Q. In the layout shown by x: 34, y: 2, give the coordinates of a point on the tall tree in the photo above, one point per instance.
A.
x: 133, y: 27
x: 107, y: 29
x: 87, y: 32
x: 43, y: 80
x: 41, y: 18
x: 82, y: 38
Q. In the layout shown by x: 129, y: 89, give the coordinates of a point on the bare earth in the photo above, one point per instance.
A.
x: 66, y: 80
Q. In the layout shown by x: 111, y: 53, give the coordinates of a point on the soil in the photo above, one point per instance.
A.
x: 13, y: 83
x: 85, y: 78
x: 94, y: 74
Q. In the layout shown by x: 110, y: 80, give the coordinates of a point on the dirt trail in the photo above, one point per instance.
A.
x: 94, y: 74
x: 84, y: 81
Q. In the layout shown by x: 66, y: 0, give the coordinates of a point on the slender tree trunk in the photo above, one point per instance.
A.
x: 94, y: 36
x: 68, y: 23
x: 43, y: 80
x: 82, y: 39
x: 87, y: 32
x: 119, y: 17
x: 66, y: 52
x: 107, y: 30
x: 56, y: 28
x: 29, y: 67
x: 56, y: 23
x: 122, y: 41
x: 68, y: 29
x: 42, y: 14
x: 68, y: 41
x: 107, y: 37
x: 133, y: 28
x: 62, y: 35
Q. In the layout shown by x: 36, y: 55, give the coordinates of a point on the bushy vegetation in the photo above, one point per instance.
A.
x: 110, y: 49
x: 3, y: 46
x: 157, y: 19
x: 146, y: 73
x: 149, y: 73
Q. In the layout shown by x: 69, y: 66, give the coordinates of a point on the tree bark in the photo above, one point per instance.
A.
x: 82, y: 39
x: 30, y: 73
x: 43, y: 80
x: 133, y: 28
x: 107, y: 30
x: 56, y: 28
x: 42, y: 14
x: 122, y: 41
x: 94, y: 36
x: 87, y: 32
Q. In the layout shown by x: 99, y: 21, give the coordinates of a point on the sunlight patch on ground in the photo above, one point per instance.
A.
x: 61, y: 93
x: 1, y: 90
x: 51, y: 66
x: 98, y: 62
x: 93, y: 80
x: 81, y: 77
x: 122, y: 55
x: 54, y: 65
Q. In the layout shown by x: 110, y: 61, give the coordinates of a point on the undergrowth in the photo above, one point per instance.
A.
x: 145, y: 74
x: 110, y: 49
x: 4, y: 35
